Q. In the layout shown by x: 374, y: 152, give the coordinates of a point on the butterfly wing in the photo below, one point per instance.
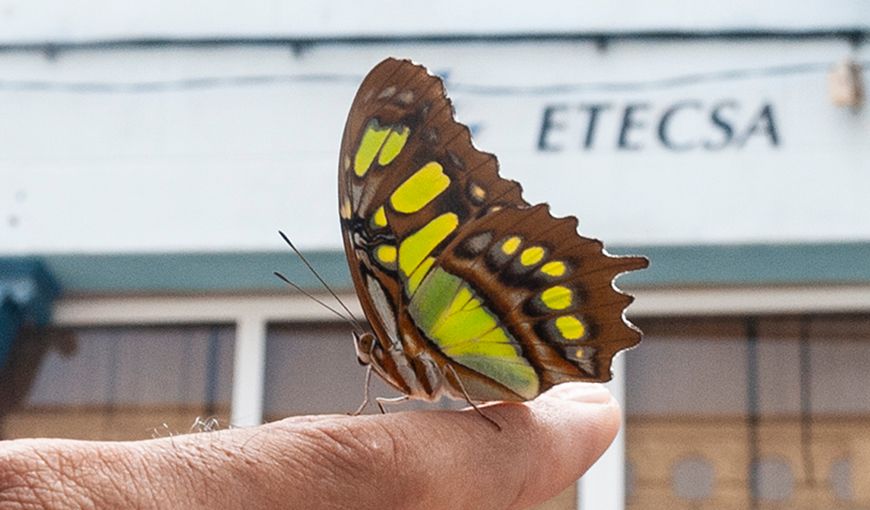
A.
x: 551, y: 288
x: 424, y: 215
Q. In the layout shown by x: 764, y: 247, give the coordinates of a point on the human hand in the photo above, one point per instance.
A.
x: 417, y: 459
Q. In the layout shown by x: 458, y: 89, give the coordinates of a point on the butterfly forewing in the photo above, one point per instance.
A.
x: 457, y: 274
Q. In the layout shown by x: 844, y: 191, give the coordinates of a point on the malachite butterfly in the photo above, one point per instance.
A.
x: 471, y: 292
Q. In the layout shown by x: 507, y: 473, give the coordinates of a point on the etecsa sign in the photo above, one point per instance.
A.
x: 647, y: 142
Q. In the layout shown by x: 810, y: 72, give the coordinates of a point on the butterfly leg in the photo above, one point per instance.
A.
x: 365, y: 401
x: 395, y: 400
x: 468, y: 399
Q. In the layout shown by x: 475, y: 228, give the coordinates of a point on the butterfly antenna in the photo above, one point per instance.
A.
x: 320, y: 279
x: 283, y: 278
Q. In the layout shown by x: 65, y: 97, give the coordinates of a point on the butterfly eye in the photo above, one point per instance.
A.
x: 364, y: 344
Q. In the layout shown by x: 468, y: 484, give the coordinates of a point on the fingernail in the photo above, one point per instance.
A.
x: 587, y: 393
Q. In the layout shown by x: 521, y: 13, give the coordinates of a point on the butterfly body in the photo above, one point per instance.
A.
x: 470, y: 291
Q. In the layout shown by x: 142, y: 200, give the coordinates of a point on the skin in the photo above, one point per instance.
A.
x: 418, y: 459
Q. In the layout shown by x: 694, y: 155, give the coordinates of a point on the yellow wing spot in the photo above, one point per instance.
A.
x: 570, y: 327
x: 510, y: 246
x: 417, y: 246
x: 554, y: 268
x: 420, y: 189
x: 477, y: 193
x: 580, y: 353
x: 393, y: 145
x: 557, y: 297
x: 531, y: 256
x: 386, y: 254
x: 372, y: 140
x: 345, y: 210
x: 379, y: 218
x: 417, y: 276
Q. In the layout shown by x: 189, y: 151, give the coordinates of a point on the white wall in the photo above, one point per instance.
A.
x: 178, y: 149
x: 36, y: 21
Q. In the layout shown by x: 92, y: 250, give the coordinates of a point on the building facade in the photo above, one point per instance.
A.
x: 149, y: 157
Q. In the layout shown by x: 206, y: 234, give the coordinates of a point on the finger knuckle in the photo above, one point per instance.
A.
x: 348, y: 454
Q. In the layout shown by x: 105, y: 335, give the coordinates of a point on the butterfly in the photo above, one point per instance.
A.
x: 471, y: 292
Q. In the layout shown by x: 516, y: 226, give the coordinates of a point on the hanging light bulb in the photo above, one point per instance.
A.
x: 845, y: 84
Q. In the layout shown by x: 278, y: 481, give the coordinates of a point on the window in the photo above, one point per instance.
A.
x: 125, y: 383
x: 707, y: 397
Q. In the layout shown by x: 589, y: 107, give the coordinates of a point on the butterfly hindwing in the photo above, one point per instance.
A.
x: 551, y: 288
x: 457, y: 274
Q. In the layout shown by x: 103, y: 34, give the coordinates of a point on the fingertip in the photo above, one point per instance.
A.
x: 576, y: 423
x: 582, y: 392
x: 581, y: 406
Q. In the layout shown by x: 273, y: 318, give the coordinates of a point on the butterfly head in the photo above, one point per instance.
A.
x: 364, y: 343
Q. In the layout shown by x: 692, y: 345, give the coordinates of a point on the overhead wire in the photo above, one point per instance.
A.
x: 259, y: 80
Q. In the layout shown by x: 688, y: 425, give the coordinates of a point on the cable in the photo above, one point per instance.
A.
x: 215, y: 82
x: 655, y: 84
x: 171, y: 85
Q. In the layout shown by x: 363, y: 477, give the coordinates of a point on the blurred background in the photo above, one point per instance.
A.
x: 149, y: 152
